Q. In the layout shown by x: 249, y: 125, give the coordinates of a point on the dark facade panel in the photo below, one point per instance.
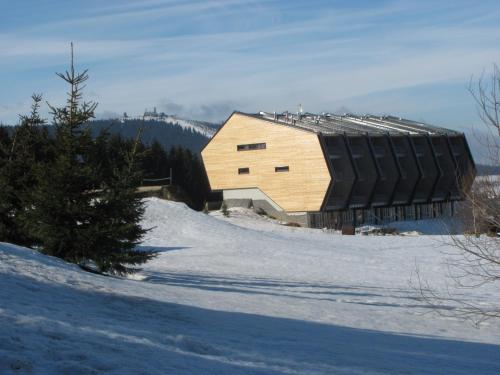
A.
x: 429, y: 172
x: 387, y: 170
x: 446, y: 186
x: 366, y: 171
x: 408, y: 170
x: 466, y: 169
x: 342, y: 171
x: 391, y: 170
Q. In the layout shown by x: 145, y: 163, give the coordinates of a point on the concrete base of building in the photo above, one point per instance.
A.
x: 263, y: 207
x: 261, y: 203
x: 379, y: 216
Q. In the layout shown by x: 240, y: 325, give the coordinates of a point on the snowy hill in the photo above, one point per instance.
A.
x: 206, y: 128
x: 239, y: 295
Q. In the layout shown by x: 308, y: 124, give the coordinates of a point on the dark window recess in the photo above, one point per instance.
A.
x: 243, y: 170
x: 281, y: 169
x: 251, y: 146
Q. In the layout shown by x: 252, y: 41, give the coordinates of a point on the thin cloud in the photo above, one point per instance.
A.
x: 257, y: 55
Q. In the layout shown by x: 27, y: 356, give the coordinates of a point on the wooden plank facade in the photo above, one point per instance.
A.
x: 288, y: 165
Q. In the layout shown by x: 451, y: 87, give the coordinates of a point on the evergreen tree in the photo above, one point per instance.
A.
x: 18, y: 157
x: 85, y: 208
x: 117, y: 213
x: 5, y: 187
x: 155, y: 162
x: 187, y: 169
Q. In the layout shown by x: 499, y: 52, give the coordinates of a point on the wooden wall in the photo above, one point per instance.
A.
x: 303, y: 188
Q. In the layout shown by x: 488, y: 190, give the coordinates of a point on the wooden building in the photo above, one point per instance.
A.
x: 326, y: 170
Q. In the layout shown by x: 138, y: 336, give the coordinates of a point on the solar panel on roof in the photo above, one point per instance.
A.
x: 338, y: 124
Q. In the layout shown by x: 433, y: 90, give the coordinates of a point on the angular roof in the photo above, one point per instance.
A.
x: 327, y: 123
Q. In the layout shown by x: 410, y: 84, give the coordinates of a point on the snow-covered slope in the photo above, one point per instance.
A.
x: 205, y: 128
x: 239, y: 296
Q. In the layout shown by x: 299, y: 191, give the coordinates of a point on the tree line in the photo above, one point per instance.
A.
x: 155, y: 162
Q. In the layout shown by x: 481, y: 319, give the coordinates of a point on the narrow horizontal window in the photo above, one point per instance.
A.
x: 243, y: 170
x: 251, y: 146
x: 282, y: 169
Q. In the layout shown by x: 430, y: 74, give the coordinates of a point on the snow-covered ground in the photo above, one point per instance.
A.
x: 240, y: 295
x: 206, y: 128
x: 198, y: 126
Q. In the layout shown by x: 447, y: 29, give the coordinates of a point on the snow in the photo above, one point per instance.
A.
x: 191, y: 124
x: 207, y: 129
x: 240, y: 295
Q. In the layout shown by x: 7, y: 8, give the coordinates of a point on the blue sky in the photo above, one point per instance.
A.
x: 204, y: 59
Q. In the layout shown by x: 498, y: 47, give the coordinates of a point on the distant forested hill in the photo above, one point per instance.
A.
x: 167, y: 134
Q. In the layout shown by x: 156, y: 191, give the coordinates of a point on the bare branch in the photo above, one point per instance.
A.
x: 476, y: 262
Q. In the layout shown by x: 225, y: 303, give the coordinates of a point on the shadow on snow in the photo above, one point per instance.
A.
x: 298, y: 290
x: 160, y: 249
x: 57, y: 328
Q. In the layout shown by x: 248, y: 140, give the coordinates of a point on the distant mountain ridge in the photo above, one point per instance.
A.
x: 206, y: 128
x: 186, y: 133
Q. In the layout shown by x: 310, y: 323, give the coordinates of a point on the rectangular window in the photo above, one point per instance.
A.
x: 282, y: 169
x: 251, y: 146
x: 243, y: 170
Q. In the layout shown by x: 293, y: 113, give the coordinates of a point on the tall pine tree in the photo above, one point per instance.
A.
x: 85, y: 210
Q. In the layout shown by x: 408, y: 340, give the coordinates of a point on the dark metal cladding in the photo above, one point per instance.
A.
x: 428, y: 168
x: 408, y: 170
x: 466, y: 169
x: 446, y: 186
x: 342, y: 171
x: 388, y: 171
x: 382, y: 162
x: 366, y: 171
